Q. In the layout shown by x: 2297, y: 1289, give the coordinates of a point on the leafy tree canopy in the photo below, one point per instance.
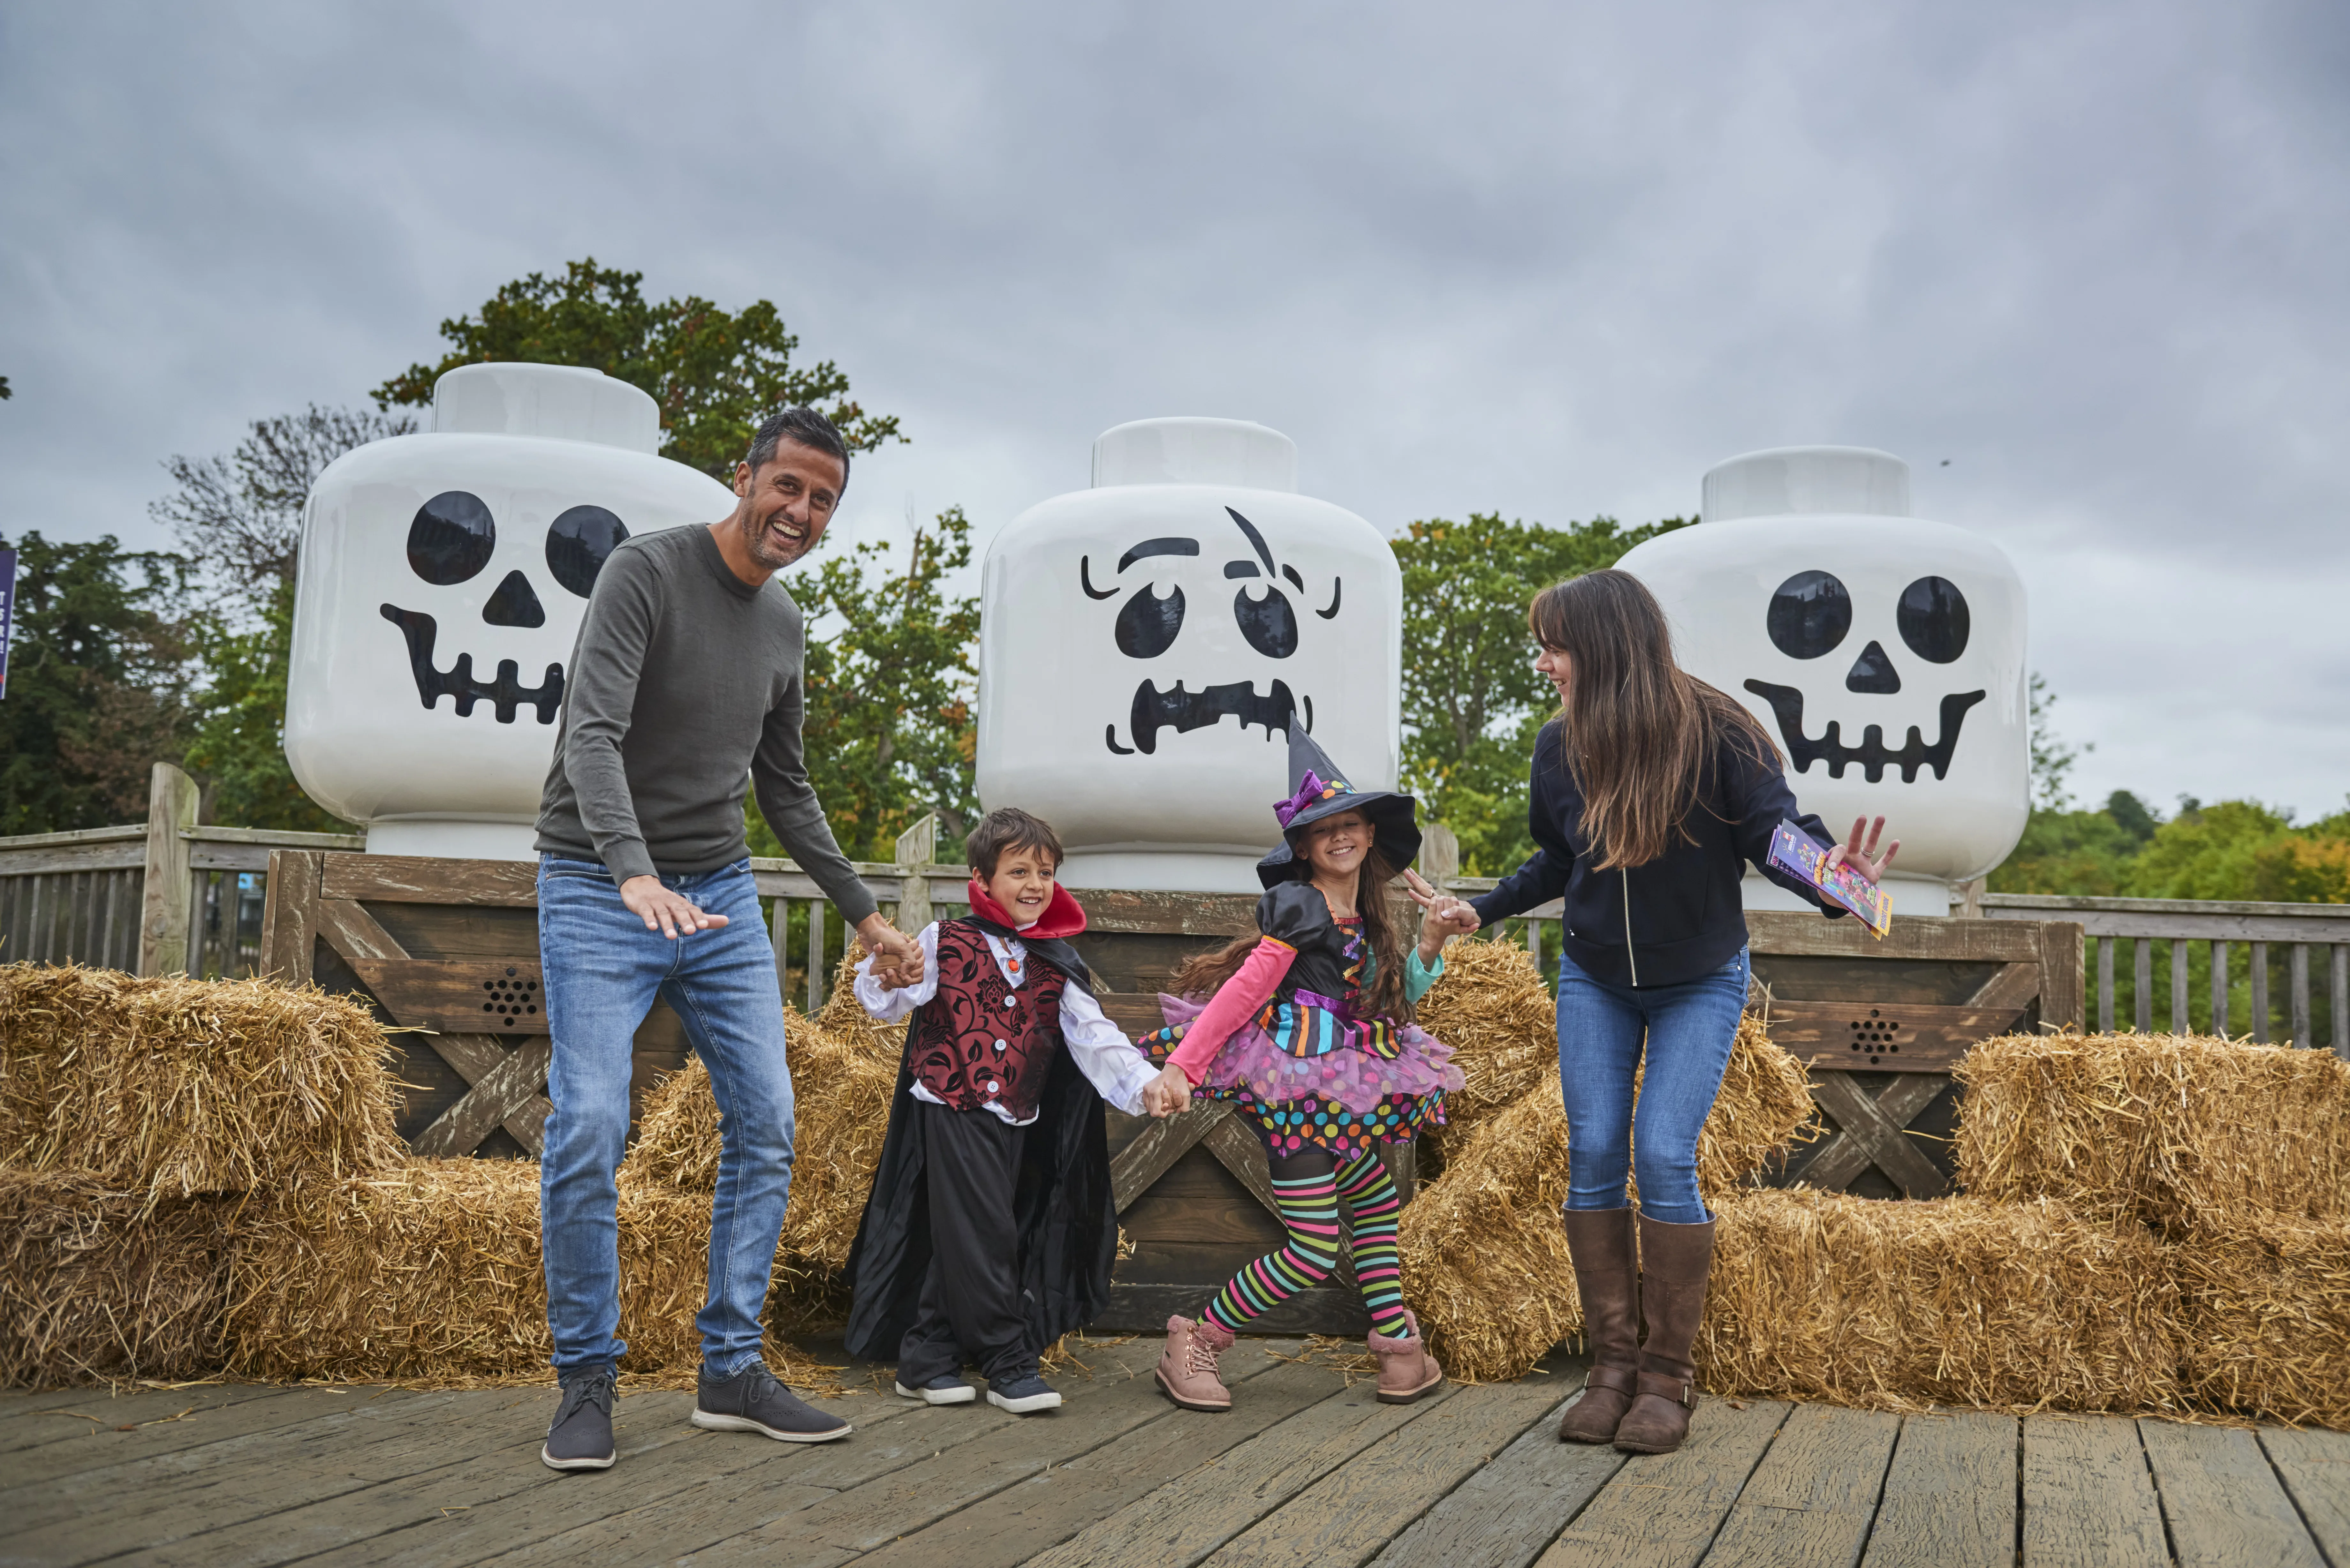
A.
x: 715, y: 373
x: 1472, y: 700
x: 98, y: 683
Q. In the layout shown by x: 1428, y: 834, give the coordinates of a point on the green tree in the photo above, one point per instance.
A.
x: 715, y: 373
x: 1472, y: 700
x: 238, y: 746
x: 889, y: 680
x: 2052, y: 758
x: 98, y: 683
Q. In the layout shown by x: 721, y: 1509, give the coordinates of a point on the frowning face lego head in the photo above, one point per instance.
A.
x: 1885, y: 653
x: 441, y: 582
x: 1146, y: 646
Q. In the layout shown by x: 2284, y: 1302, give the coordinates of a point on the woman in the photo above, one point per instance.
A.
x: 1651, y: 792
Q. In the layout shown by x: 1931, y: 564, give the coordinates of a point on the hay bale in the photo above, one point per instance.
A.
x: 2265, y: 1311
x: 97, y: 1284
x: 1490, y: 1008
x: 1485, y: 1260
x: 2166, y: 1129
x: 842, y: 1088
x: 1959, y: 1300
x: 430, y: 1273
x: 175, y: 1088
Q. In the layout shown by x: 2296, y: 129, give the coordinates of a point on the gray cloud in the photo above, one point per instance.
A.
x: 1550, y: 260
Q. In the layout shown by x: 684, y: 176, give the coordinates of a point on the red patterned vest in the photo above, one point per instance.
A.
x: 983, y: 1040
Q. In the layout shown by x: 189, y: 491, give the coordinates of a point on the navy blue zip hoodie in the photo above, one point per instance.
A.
x: 1678, y: 916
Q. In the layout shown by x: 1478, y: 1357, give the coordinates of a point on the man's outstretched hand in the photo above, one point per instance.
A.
x: 664, y: 910
x: 897, y: 957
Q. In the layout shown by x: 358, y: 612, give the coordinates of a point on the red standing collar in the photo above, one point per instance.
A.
x: 1063, y: 915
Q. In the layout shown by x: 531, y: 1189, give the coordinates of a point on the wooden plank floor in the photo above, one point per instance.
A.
x: 1303, y: 1470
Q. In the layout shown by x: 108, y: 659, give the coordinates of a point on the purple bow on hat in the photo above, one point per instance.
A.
x: 1309, y: 793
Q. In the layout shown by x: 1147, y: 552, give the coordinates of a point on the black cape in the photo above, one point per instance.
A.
x: 1066, y: 1220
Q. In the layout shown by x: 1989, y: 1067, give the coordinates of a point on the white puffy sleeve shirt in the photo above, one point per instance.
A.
x: 1118, y: 1070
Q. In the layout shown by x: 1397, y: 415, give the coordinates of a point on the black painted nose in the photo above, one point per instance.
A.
x: 514, y: 605
x: 1872, y: 672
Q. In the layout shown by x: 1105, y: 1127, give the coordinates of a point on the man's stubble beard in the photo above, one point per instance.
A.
x: 754, y: 544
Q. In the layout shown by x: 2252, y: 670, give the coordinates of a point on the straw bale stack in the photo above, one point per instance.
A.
x: 2163, y: 1128
x: 2264, y: 1309
x: 97, y: 1284
x: 1485, y: 1260
x: 430, y: 1273
x: 1958, y: 1300
x: 175, y: 1088
x: 843, y: 1088
x: 1490, y: 1007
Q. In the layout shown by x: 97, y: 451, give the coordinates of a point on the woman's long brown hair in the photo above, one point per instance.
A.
x: 1636, y: 732
x: 1201, y: 974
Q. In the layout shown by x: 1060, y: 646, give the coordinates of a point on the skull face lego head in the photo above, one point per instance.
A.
x: 1885, y: 653
x: 441, y: 581
x: 1147, y: 645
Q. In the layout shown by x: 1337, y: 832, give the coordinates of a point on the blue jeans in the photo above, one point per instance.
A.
x: 1688, y: 1030
x: 603, y: 970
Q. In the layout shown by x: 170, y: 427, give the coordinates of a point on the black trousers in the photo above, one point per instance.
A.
x: 972, y: 1308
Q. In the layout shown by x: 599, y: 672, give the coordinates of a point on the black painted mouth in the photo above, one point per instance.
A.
x: 1184, y: 712
x: 1787, y: 703
x: 507, y: 692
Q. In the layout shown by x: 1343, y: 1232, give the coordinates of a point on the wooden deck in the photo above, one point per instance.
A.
x: 1302, y: 1470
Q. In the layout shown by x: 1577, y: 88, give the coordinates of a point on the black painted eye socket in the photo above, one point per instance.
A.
x: 579, y: 543
x: 1933, y: 619
x: 1810, y: 615
x: 452, y: 538
x: 1146, y: 624
x: 1269, y: 623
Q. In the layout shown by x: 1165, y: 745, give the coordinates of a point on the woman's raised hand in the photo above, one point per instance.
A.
x: 1445, y: 916
x: 1864, y: 859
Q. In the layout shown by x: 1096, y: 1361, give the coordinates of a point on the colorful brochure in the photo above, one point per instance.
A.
x: 1795, y: 851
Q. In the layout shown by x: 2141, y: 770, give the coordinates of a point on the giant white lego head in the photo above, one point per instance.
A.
x: 1145, y: 645
x: 1885, y: 652
x: 441, y: 581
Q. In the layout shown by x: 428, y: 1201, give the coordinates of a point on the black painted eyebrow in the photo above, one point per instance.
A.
x: 1239, y: 569
x: 1158, y: 547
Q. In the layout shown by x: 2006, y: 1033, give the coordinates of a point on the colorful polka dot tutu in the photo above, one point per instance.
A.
x: 1343, y: 1098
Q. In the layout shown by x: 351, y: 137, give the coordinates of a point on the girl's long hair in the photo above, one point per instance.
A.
x: 1638, y: 733
x: 1202, y: 974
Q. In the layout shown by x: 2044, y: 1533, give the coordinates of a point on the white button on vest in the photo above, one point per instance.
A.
x: 993, y: 1086
x: 1010, y: 1001
x: 1001, y: 1046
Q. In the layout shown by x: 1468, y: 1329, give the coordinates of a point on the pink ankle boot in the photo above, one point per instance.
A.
x: 1406, y: 1369
x: 1187, y: 1369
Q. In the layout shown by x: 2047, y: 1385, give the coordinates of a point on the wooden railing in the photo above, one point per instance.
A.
x: 168, y: 896
x: 2165, y: 934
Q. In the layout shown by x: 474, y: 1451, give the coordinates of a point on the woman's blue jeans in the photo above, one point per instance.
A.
x: 1687, y: 1030
x: 603, y: 970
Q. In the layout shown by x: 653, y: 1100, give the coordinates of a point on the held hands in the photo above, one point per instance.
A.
x: 664, y: 910
x: 1445, y: 916
x: 1865, y: 859
x: 1168, y: 1093
x: 897, y: 957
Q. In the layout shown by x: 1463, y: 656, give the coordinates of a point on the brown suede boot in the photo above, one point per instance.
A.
x: 1406, y: 1369
x: 1187, y: 1367
x: 1674, y: 1262
x: 1607, y: 1279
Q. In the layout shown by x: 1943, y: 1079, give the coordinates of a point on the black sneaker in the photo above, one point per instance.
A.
x: 940, y: 1390
x: 1021, y: 1395
x: 581, y: 1436
x: 752, y: 1401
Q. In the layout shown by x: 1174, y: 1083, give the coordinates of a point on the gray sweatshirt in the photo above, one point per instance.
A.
x: 683, y: 686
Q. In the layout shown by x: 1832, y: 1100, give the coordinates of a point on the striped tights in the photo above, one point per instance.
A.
x: 1306, y: 1188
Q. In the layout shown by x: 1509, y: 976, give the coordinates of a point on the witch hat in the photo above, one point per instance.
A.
x: 1317, y: 789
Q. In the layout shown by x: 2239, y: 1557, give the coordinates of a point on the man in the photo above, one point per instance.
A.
x: 685, y: 683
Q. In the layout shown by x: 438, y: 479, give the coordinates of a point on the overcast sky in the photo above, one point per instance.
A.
x: 1549, y: 260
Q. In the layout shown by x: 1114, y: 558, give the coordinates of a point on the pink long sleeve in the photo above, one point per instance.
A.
x: 1236, y: 1001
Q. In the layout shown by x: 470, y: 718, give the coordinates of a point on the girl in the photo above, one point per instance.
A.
x: 1651, y: 791
x: 1310, y: 1031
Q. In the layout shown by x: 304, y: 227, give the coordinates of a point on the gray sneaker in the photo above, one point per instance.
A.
x: 581, y: 1436
x: 752, y: 1401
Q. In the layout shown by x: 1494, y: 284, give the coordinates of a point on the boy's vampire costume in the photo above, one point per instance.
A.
x: 990, y: 1231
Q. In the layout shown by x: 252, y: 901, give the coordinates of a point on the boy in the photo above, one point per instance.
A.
x: 990, y: 1231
